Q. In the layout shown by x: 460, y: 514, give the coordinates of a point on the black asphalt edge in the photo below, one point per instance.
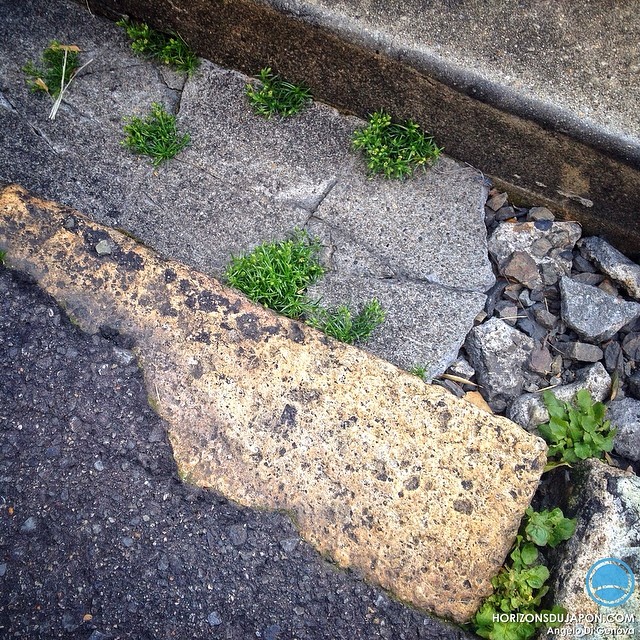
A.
x: 594, y: 181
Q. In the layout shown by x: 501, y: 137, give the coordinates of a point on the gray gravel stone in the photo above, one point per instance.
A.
x: 521, y: 267
x: 633, y: 385
x: 540, y: 213
x: 613, y: 263
x: 625, y: 416
x: 592, y: 313
x: 499, y: 353
x: 582, y: 351
x: 522, y: 236
x: 606, y: 502
x: 289, y: 544
x: 613, y: 359
x: 545, y: 318
x: 529, y: 409
x: 631, y: 346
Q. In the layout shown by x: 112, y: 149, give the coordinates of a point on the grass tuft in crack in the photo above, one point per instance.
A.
x: 395, y: 150
x: 156, y: 135
x: 3, y: 256
x: 419, y: 370
x: 277, y: 96
x: 168, y: 49
x: 277, y: 275
x: 54, y: 71
x: 342, y: 324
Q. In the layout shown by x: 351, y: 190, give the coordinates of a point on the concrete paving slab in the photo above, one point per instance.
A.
x: 541, y: 97
x: 242, y: 181
x: 419, y: 491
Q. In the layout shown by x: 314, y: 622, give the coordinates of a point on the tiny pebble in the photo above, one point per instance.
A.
x: 98, y: 465
x: 103, y: 248
x: 214, y: 619
x: 289, y: 544
x: 29, y: 525
x: 3, y: 569
x: 126, y: 541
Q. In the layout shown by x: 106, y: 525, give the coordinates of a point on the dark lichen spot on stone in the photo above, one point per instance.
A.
x: 226, y: 326
x: 169, y: 276
x: 288, y: 417
x: 184, y: 285
x: 412, y: 483
x: 271, y: 330
x: 93, y: 236
x: 248, y: 326
x: 128, y: 259
x: 197, y: 371
x: 467, y: 484
x: 203, y: 336
x: 537, y: 464
x: 167, y: 310
x: 296, y: 333
x: 463, y: 506
x: 351, y: 421
x: 190, y: 302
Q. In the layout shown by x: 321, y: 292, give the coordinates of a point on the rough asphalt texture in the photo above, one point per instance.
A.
x: 100, y: 540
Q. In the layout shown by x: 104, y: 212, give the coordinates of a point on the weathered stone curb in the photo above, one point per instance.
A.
x: 539, y: 152
x: 419, y: 491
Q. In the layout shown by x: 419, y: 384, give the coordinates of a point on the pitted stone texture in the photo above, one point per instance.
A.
x: 592, y: 313
x: 529, y: 409
x: 615, y: 264
x: 499, y: 354
x: 548, y: 243
x: 625, y: 417
x: 419, y: 491
x: 608, y: 514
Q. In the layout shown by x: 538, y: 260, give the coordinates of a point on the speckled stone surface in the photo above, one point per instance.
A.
x: 418, y: 491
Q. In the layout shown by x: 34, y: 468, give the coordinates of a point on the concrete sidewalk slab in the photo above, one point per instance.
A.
x: 419, y: 491
x: 541, y: 97
x: 243, y: 180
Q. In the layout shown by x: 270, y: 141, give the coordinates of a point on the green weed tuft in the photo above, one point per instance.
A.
x: 419, y: 370
x: 277, y: 96
x: 576, y: 432
x: 3, y: 256
x: 342, y: 324
x: 394, y: 149
x: 156, y: 135
x: 168, y: 49
x: 277, y: 274
x: 521, y: 583
x: 58, y: 66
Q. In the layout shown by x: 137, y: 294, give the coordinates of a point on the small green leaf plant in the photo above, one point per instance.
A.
x: 169, y: 49
x: 520, y: 586
x: 277, y: 275
x: 576, y: 431
x: 3, y: 256
x: 156, y: 135
x: 393, y: 149
x: 277, y: 97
